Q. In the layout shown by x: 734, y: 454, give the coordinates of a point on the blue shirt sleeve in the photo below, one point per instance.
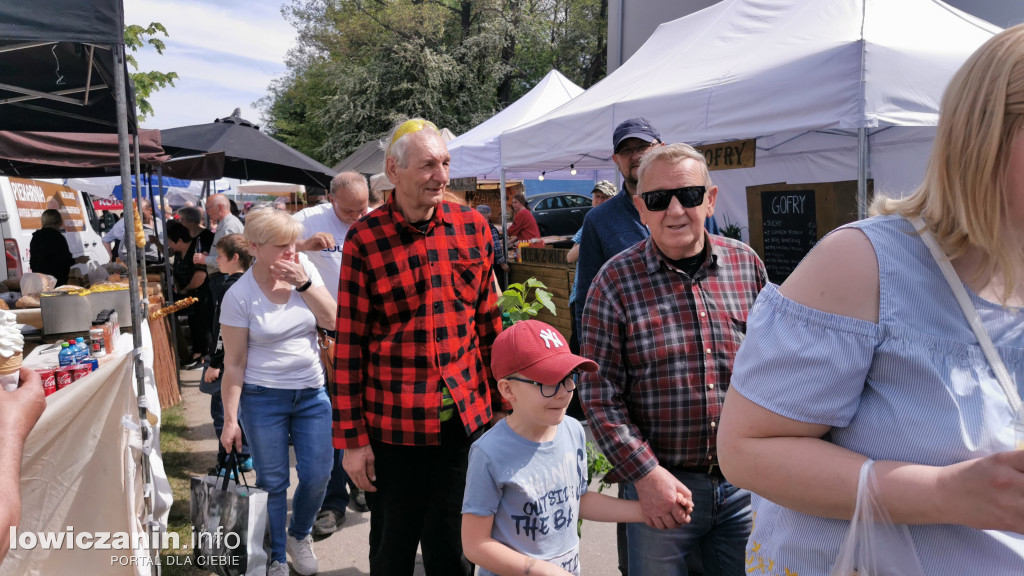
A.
x: 592, y: 257
x: 802, y: 363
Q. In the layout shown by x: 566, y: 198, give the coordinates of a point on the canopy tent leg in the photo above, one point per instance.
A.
x: 862, y: 173
x: 503, y: 197
x: 169, y: 279
x: 120, y: 99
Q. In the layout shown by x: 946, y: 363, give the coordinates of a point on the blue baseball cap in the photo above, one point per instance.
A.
x: 634, y: 128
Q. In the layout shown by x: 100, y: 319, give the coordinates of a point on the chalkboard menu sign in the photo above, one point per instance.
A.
x: 790, y: 228
x: 786, y: 220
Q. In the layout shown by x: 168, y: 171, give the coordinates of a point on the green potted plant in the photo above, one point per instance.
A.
x: 524, y: 301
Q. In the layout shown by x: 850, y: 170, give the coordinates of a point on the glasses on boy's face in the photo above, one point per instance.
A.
x: 549, y: 390
x: 688, y: 196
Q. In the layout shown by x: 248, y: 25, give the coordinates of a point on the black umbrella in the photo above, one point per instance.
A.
x: 249, y: 153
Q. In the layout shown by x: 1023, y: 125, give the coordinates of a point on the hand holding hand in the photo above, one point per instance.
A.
x: 359, y: 464
x: 659, y: 493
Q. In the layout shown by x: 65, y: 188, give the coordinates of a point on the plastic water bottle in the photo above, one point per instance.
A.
x: 81, y: 351
x: 67, y: 355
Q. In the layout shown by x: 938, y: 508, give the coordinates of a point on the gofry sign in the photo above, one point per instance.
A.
x: 32, y: 197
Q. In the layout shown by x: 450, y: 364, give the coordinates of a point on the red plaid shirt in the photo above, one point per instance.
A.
x: 665, y: 344
x: 416, y: 311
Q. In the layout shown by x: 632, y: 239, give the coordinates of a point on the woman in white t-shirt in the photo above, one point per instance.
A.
x: 272, y: 367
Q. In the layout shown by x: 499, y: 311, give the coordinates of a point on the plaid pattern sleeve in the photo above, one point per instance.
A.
x: 665, y: 344
x: 416, y: 311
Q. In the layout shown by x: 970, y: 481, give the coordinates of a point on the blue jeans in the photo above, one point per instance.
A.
x: 271, y: 416
x: 718, y: 530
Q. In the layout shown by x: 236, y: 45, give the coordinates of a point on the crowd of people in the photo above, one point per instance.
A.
x: 738, y: 415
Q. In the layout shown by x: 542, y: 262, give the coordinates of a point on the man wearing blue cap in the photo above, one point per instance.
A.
x: 615, y: 225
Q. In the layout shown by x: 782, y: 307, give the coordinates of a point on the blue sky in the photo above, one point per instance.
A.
x: 226, y: 53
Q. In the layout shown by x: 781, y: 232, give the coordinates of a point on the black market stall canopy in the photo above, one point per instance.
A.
x: 57, y: 65
x: 70, y: 155
x: 249, y: 154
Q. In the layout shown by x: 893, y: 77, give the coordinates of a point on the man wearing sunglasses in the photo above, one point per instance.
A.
x: 664, y: 320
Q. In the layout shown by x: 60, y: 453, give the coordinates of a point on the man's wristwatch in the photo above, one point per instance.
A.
x: 304, y: 287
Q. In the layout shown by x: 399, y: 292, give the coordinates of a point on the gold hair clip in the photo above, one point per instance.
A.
x: 408, y: 127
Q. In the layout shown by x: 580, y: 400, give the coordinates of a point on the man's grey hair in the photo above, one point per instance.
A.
x: 673, y: 154
x: 399, y: 150
x: 348, y: 179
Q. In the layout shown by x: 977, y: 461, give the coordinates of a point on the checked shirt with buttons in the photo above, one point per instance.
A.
x: 416, y: 310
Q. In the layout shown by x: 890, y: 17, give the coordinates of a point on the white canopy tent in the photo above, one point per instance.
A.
x: 478, y: 152
x: 832, y: 90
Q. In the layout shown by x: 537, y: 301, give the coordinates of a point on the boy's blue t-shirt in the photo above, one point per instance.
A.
x: 532, y: 489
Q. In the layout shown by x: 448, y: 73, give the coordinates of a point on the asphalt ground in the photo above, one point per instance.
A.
x: 346, y: 552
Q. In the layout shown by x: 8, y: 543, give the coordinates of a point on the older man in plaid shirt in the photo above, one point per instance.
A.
x: 416, y: 320
x: 664, y: 320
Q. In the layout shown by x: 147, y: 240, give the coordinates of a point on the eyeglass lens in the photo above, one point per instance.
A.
x: 630, y: 150
x: 689, y: 197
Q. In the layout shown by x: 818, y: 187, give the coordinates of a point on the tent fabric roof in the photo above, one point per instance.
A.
x: 747, y: 68
x: 96, y: 21
x: 62, y: 154
x: 57, y: 65
x: 249, y: 153
x: 477, y: 152
x: 369, y: 158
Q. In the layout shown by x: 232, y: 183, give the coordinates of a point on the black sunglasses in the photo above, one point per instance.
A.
x: 549, y: 390
x: 689, y: 197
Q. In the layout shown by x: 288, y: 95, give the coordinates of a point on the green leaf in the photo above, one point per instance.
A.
x: 544, y: 298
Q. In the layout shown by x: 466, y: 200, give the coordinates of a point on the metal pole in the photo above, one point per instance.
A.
x: 862, y: 173
x: 169, y: 279
x: 139, y: 196
x: 120, y: 98
x: 504, y: 219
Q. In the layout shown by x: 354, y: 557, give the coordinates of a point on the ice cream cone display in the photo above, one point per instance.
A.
x: 12, y: 343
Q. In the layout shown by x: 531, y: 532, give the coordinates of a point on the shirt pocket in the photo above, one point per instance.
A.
x: 467, y: 279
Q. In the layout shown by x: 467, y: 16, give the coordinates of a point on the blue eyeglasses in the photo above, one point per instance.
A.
x: 549, y: 390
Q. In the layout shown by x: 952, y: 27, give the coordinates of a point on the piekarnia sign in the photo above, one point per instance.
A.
x: 730, y: 155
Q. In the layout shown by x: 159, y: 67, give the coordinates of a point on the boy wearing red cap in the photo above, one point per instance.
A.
x: 527, y: 479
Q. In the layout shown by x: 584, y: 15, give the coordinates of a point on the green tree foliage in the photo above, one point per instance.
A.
x: 360, y: 65
x: 146, y: 83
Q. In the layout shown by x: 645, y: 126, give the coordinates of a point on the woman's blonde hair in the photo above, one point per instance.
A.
x: 964, y: 198
x: 269, y: 226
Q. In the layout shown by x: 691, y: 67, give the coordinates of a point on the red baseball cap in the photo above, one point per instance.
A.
x: 537, y: 351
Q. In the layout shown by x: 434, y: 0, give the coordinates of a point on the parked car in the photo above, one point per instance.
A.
x: 559, y: 213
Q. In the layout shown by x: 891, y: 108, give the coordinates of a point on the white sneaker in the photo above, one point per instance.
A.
x: 301, y: 551
x: 278, y: 569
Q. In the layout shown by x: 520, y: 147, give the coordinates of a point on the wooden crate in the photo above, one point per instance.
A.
x: 558, y: 278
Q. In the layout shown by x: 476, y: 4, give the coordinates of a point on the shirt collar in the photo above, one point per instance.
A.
x: 654, y: 259
x: 442, y: 213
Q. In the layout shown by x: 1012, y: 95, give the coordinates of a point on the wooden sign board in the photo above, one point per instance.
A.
x: 787, y: 220
x: 33, y: 197
x: 730, y: 155
x: 462, y: 184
